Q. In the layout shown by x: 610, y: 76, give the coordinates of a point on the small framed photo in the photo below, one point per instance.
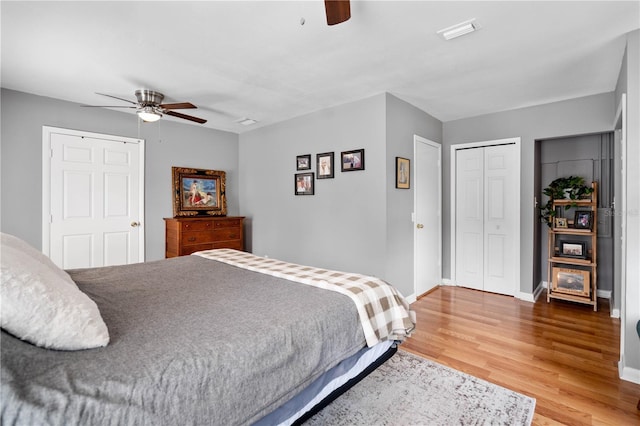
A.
x: 304, y: 183
x: 352, y: 160
x: 575, y: 249
x: 583, y: 219
x: 403, y: 173
x: 560, y: 222
x: 303, y: 162
x: 571, y: 281
x: 324, y: 165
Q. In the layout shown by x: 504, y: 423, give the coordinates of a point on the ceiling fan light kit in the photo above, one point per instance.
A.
x: 149, y: 115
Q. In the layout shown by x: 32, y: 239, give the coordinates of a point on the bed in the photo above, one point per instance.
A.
x: 218, y: 337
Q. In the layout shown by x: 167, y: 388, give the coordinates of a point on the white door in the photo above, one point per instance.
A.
x: 470, y: 218
x: 487, y: 218
x: 95, y: 199
x: 428, y: 214
x: 501, y: 216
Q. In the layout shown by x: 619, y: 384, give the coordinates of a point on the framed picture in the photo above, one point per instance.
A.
x: 352, y: 160
x: 576, y: 249
x: 324, y: 165
x: 403, y: 173
x: 304, y: 183
x: 560, y: 222
x: 583, y: 219
x: 571, y: 281
x: 198, y: 192
x: 303, y: 162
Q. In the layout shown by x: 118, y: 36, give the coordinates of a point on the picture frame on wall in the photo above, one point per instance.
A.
x: 304, y: 184
x: 571, y: 281
x: 403, y: 173
x: 324, y: 165
x: 198, y: 192
x: 352, y: 160
x: 303, y: 162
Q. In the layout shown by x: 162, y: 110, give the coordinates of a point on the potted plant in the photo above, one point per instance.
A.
x: 572, y: 188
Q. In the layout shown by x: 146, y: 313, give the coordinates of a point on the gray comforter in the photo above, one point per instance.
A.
x: 193, y: 342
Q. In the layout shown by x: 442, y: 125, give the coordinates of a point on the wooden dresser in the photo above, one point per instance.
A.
x: 185, y: 235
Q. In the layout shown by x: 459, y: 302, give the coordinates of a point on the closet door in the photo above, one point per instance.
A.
x: 500, y: 218
x: 487, y: 218
x: 470, y: 218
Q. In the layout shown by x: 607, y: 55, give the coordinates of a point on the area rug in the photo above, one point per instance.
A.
x: 410, y: 390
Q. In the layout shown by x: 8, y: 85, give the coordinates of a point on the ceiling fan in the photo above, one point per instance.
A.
x: 150, y: 108
x: 337, y: 11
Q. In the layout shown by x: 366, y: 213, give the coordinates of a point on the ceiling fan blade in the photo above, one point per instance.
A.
x: 186, y: 117
x: 337, y: 11
x: 179, y: 105
x: 115, y: 97
x: 108, y: 106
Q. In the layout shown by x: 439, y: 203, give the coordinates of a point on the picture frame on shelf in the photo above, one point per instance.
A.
x: 324, y: 165
x: 560, y: 223
x: 403, y: 173
x: 304, y: 184
x: 198, y: 192
x: 571, y: 281
x: 303, y: 162
x: 583, y: 219
x: 352, y: 160
x: 575, y: 249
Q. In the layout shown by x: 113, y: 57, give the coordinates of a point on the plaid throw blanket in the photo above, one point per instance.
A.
x: 384, y: 313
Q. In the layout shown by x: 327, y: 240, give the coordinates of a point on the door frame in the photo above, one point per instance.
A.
x: 416, y: 140
x: 47, y: 152
x: 454, y: 148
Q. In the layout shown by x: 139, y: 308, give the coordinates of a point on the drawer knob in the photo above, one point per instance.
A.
x: 191, y: 239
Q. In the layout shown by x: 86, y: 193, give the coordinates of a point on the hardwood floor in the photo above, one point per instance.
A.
x: 562, y: 354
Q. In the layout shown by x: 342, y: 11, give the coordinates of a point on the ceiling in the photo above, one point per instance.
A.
x: 257, y: 60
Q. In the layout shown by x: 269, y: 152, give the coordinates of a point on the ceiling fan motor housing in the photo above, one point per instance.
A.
x: 149, y: 97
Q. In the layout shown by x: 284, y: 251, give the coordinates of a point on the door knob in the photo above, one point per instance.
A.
x: 419, y: 226
x: 134, y: 224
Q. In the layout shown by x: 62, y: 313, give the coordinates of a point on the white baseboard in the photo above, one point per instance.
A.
x: 447, y: 281
x: 604, y: 294
x: 526, y: 297
x: 627, y: 373
x: 411, y: 298
x: 615, y: 313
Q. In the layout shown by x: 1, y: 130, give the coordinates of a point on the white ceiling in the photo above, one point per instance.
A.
x: 254, y: 59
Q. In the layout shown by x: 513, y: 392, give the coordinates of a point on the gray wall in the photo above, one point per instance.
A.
x: 591, y: 114
x: 403, y: 122
x: 168, y: 143
x: 628, y: 83
x: 357, y: 221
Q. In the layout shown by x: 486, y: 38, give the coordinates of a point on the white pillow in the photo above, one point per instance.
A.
x: 41, y: 304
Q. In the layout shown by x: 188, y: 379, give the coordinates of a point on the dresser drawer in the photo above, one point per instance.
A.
x: 196, y: 225
x: 195, y: 237
x: 225, y: 234
x: 228, y: 223
x: 185, y: 250
x: 232, y: 244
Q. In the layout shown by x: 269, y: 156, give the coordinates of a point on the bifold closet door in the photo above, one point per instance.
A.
x: 487, y: 234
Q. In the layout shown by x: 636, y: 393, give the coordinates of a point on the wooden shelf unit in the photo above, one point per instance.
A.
x: 589, y: 263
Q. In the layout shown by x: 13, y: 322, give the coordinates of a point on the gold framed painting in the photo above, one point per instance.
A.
x: 198, y: 192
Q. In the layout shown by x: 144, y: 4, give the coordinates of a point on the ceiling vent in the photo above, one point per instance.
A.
x: 460, y: 29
